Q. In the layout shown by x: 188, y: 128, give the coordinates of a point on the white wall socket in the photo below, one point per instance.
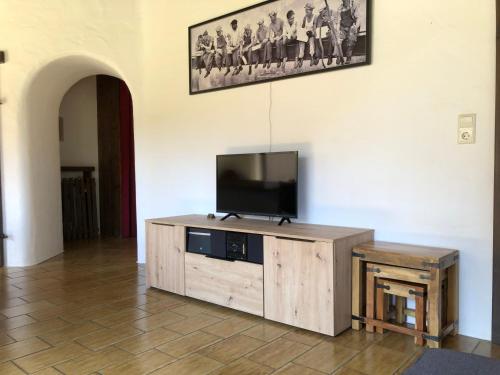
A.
x: 467, y: 129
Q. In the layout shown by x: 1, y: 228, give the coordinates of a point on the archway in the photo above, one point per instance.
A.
x: 36, y: 208
x: 96, y: 142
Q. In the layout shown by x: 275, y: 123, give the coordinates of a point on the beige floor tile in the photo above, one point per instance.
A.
x: 4, y: 339
x: 294, y: 369
x: 193, y: 323
x: 149, y: 340
x: 87, y: 313
x: 487, y: 349
x: 123, y: 316
x: 230, y: 327
x: 347, y: 371
x: 187, y: 344
x: 12, y: 302
x: 70, y: 333
x: 45, y: 283
x: 48, y: 371
x: 142, y: 364
x: 377, y: 360
x: 157, y: 320
x: 134, y: 301
x: 410, y: 361
x: 55, y: 311
x: 357, y: 340
x: 305, y: 337
x: 399, y: 342
x: 326, y: 357
x: 267, y: 331
x: 278, y: 353
x: 231, y: 349
x: 243, y: 366
x: 21, y: 348
x: 195, y: 364
x: 107, y: 336
x: 92, y: 362
x: 216, y: 310
x: 26, y: 308
x: 160, y: 306
x: 37, y: 329
x: 16, y: 322
x: 189, y: 309
x: 9, y: 368
x: 461, y: 343
x: 49, y: 357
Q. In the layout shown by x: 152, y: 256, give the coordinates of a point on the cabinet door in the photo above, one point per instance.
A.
x: 237, y: 285
x: 298, y: 283
x: 165, y: 246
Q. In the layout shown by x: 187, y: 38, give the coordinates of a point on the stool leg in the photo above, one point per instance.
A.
x: 381, y: 308
x: 452, y: 295
x: 370, y: 299
x: 420, y: 318
x: 435, y: 307
x: 400, y: 309
x: 357, y: 294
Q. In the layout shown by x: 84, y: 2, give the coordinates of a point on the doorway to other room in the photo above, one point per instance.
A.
x: 97, y: 160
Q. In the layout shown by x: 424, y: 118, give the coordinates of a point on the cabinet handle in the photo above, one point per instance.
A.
x: 200, y: 234
x: 295, y: 239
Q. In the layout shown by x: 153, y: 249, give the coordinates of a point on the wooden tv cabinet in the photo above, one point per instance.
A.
x: 305, y: 279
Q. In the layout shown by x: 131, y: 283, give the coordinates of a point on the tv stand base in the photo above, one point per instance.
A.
x: 283, y: 219
x: 229, y: 215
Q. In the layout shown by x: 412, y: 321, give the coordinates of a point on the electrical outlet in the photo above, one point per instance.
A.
x: 467, y: 129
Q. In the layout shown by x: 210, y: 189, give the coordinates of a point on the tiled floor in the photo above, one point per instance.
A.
x: 88, y: 311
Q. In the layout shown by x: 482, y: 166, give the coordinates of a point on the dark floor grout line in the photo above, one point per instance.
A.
x: 20, y: 368
x: 359, y: 352
x: 48, y: 343
x: 476, y: 346
x: 409, y: 361
x: 56, y: 369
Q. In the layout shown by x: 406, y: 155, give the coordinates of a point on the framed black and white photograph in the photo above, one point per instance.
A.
x: 278, y: 39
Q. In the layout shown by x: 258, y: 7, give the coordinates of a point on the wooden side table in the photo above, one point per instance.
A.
x: 426, y: 265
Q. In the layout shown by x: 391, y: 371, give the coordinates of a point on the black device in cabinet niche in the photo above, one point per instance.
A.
x: 226, y: 245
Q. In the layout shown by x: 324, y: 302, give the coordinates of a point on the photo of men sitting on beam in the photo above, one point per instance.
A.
x: 280, y: 38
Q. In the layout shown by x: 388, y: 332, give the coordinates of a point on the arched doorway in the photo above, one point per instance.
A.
x: 33, y: 211
x: 96, y: 141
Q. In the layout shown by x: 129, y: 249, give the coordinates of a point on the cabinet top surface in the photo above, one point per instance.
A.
x: 295, y: 230
x: 413, y: 251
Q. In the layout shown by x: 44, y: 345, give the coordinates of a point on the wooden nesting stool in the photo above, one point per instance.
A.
x: 402, y: 290
x: 436, y: 268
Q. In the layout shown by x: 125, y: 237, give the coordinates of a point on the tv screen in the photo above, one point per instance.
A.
x: 258, y: 184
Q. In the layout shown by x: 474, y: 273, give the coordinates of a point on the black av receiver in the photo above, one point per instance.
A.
x: 226, y: 245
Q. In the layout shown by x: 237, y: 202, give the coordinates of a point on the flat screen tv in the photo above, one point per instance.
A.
x: 263, y: 184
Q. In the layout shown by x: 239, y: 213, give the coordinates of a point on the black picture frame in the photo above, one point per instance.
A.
x: 365, y: 47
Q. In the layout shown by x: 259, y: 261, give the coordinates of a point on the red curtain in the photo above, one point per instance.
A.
x: 128, y: 219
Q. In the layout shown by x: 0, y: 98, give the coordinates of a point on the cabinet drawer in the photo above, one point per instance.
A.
x: 237, y: 285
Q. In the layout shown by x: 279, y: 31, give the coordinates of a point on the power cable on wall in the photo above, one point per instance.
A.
x: 270, y: 116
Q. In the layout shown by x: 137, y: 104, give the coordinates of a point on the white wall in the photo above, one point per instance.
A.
x: 79, y: 112
x: 378, y: 143
x: 79, y: 146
